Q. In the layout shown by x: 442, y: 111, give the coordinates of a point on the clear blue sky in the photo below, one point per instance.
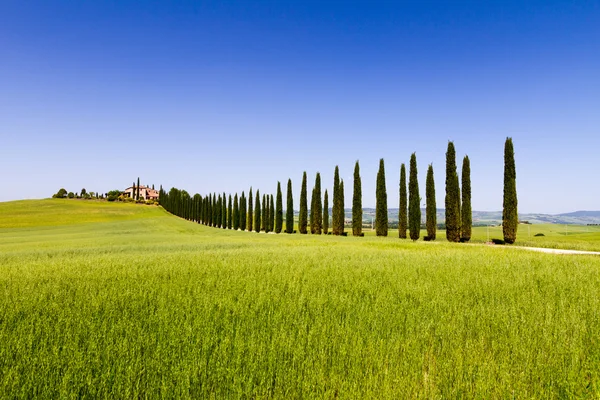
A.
x: 213, y: 96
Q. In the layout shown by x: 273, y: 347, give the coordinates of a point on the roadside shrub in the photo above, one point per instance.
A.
x: 539, y: 234
x: 498, y: 241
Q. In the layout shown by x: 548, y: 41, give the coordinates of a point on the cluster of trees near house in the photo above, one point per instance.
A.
x: 83, y: 194
x: 264, y: 213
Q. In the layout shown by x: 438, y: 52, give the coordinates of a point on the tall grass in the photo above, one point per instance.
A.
x: 159, y: 307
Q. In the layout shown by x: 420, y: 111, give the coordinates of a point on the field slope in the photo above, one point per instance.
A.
x: 122, y: 301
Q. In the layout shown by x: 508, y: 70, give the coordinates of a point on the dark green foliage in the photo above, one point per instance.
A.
x: 430, y: 211
x: 302, y: 222
x: 317, y: 208
x: 133, y: 188
x: 414, y: 200
x: 250, y: 211
x: 264, y: 214
x: 137, y: 197
x: 342, y: 212
x: 271, y: 214
x: 224, y: 212
x: 236, y: 213
x: 452, y: 200
x: 357, y: 203
x: 381, y: 212
x: 510, y: 216
x: 336, y: 213
x: 403, y: 212
x: 229, y: 213
x: 243, y: 212
x: 257, y: 219
x: 465, y: 212
x: 61, y: 194
x: 279, y: 210
x: 325, y: 213
x: 219, y: 212
x: 289, y: 211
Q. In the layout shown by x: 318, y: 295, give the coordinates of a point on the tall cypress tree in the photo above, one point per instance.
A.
x: 224, y: 212
x: 264, y: 213
x: 236, y: 213
x: 335, y: 211
x: 133, y: 189
x: 302, y: 223
x: 452, y: 200
x: 219, y: 211
x: 381, y: 212
x: 230, y: 214
x: 357, y: 203
x: 318, y: 207
x: 271, y: 214
x: 138, y: 189
x: 279, y: 210
x: 257, y: 219
x: 510, y: 215
x: 402, y: 213
x: 465, y: 212
x: 209, y: 211
x: 342, y: 211
x: 250, y: 210
x: 289, y: 211
x: 414, y: 200
x: 430, y: 210
x: 312, y: 212
x: 243, y: 212
x: 325, y: 213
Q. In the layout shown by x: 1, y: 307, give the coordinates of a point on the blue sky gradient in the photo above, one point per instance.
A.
x: 217, y: 96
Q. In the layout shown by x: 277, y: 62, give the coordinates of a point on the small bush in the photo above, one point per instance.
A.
x: 498, y: 241
x: 112, y: 198
x: 71, y: 195
x: 427, y: 238
x: 539, y: 234
x: 344, y: 233
x: 362, y: 234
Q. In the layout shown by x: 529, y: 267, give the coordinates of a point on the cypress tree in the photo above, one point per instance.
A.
x: 219, y: 211
x: 230, y: 213
x: 302, y: 223
x: 325, y: 213
x: 312, y: 212
x: 402, y: 213
x: 243, y: 212
x: 138, y: 189
x: 381, y: 213
x: 271, y: 214
x: 133, y: 189
x: 510, y: 215
x: 452, y: 200
x: 342, y: 211
x: 357, y: 203
x: 335, y: 211
x: 250, y: 210
x: 224, y: 212
x: 430, y: 210
x: 209, y: 210
x: 257, y: 210
x: 236, y: 213
x: 318, y: 207
x: 264, y: 214
x: 289, y: 211
x: 414, y: 200
x: 279, y: 210
x: 465, y: 212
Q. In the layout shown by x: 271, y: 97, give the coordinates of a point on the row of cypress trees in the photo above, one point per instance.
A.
x: 266, y: 213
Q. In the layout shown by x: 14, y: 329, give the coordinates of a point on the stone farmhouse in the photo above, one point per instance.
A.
x: 146, y: 193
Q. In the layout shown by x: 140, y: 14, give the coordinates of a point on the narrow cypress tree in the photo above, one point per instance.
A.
x: 133, y: 189
x: 430, y: 211
x: 381, y: 212
x: 230, y: 213
x: 271, y: 214
x: 257, y: 219
x: 312, y: 212
x: 510, y: 216
x: 219, y: 211
x: 335, y: 211
x: 402, y: 213
x: 318, y: 207
x: 465, y: 212
x: 138, y: 189
x: 264, y: 213
x: 302, y: 223
x: 209, y: 212
x: 236, y: 213
x: 325, y: 213
x: 414, y: 200
x: 243, y: 212
x: 279, y: 210
x: 452, y: 200
x: 289, y: 211
x: 250, y: 217
x: 342, y: 211
x: 357, y: 203
x: 224, y: 212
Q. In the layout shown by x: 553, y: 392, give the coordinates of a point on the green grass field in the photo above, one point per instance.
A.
x: 121, y: 301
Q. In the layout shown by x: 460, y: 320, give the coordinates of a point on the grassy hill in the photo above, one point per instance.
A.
x: 122, y: 301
